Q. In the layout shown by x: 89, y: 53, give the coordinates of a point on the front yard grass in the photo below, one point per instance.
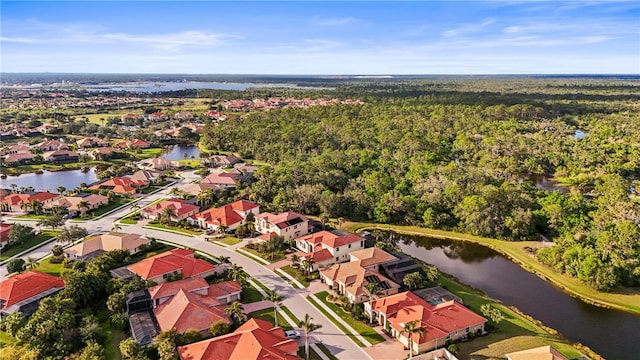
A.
x: 229, y: 240
x: 344, y: 330
x: 296, y: 274
x: 46, y: 266
x: 128, y: 221
x: 174, y: 228
x: 267, y: 315
x: 113, y: 204
x: 363, y: 329
x: 250, y: 295
x: 12, y: 250
x: 277, y: 256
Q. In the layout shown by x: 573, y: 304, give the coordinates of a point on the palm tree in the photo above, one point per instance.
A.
x: 31, y: 263
x: 225, y: 260
x: 307, y: 265
x: 294, y: 259
x: 61, y: 189
x: 308, y: 326
x: 236, y: 312
x: 372, y: 289
x: 167, y: 214
x: 276, y: 299
x: 411, y: 328
x: 36, y: 206
x: 236, y: 273
x: 223, y: 229
x: 135, y: 207
x: 83, y: 206
x: 340, y: 221
x: 324, y: 220
x: 26, y: 206
x: 116, y: 227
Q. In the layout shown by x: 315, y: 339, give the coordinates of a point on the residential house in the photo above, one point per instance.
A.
x: 23, y: 292
x: 133, y: 144
x: 5, y: 230
x: 104, y: 153
x: 100, y: 244
x: 221, y: 160
x: 72, y: 203
x: 187, y: 310
x: 215, y: 115
x: 51, y: 145
x: 180, y: 209
x: 223, y: 293
x: 159, y: 164
x: 19, y: 158
x: 19, y: 148
x: 183, y: 115
x: 61, y: 156
x: 45, y: 128
x: 222, y: 179
x: 289, y: 225
x: 175, y: 263
x: 129, y: 117
x: 254, y: 340
x: 146, y: 176
x: 326, y: 248
x: 351, y: 279
x: 540, y: 353
x: 397, y: 269
x: 158, y: 116
x: 121, y: 185
x: 90, y: 142
x: 195, y: 189
x: 18, y: 202
x: 231, y: 215
x: 442, y: 322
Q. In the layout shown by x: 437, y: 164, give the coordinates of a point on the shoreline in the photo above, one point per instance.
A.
x: 572, y: 287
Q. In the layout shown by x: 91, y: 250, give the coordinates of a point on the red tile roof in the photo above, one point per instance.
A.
x: 172, y: 288
x: 439, y: 320
x: 180, y: 260
x: 243, y: 205
x: 330, y: 239
x: 5, y: 229
x: 180, y: 207
x: 254, y: 340
x: 224, y: 288
x: 187, y: 310
x: 17, y: 199
x: 224, y: 215
x: 223, y: 178
x: 23, y: 286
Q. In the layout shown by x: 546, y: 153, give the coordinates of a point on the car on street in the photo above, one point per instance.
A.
x: 292, y: 334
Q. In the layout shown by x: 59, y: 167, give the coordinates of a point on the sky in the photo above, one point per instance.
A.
x: 321, y: 37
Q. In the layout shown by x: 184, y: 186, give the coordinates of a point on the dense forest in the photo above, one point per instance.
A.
x: 470, y: 155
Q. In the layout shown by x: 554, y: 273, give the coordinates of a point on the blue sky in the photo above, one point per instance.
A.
x: 321, y: 37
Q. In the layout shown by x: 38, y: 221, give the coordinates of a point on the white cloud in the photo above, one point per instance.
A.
x: 468, y: 28
x: 340, y: 21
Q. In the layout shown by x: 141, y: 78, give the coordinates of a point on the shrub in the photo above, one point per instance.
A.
x: 453, y: 348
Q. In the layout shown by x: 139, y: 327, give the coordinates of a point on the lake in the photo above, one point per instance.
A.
x: 156, y: 87
x: 611, y: 333
x: 177, y: 152
x: 50, y: 180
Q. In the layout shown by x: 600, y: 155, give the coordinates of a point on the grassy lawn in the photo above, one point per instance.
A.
x: 174, y: 228
x: 33, y: 217
x: 267, y: 315
x: 229, y: 240
x: 326, y: 351
x: 112, y: 337
x: 312, y: 354
x: 159, y: 248
x: 297, y: 274
x: 514, y: 333
x: 128, y: 221
x: 190, y: 163
x: 48, y: 267
x: 147, y: 153
x: 250, y: 295
x: 12, y: 250
x: 363, y: 329
x: 277, y: 256
x: 626, y: 299
x: 95, y: 118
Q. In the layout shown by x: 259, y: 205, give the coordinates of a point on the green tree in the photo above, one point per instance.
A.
x: 53, y: 221
x: 236, y: 311
x: 308, y: 327
x: 276, y: 299
x: 219, y: 328
x: 19, y: 234
x: 410, y: 329
x: 93, y: 351
x: 129, y: 349
x: 31, y: 263
x: 413, y: 280
x: 15, y: 265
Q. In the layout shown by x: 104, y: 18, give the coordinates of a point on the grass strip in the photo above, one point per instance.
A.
x: 12, y: 250
x: 267, y: 315
x: 363, y: 329
x: 334, y: 321
x: 296, y: 274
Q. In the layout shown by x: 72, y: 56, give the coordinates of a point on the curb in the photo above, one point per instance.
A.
x: 316, y: 302
x: 251, y: 256
x: 291, y: 278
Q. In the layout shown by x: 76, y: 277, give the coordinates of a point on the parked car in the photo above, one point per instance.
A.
x: 291, y: 334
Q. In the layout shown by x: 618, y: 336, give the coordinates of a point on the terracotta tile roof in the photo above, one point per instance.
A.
x: 23, y: 286
x: 186, y: 311
x: 17, y: 199
x: 439, y: 320
x: 219, y: 216
x: 180, y: 207
x: 254, y: 340
x: 354, y: 276
x: 223, y: 178
x: 224, y: 288
x: 243, y: 205
x: 331, y: 239
x: 180, y: 260
x: 5, y: 229
x: 108, y: 242
x: 371, y: 256
x: 172, y: 288
x: 11, y: 158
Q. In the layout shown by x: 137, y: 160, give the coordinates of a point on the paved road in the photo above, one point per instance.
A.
x: 329, y: 334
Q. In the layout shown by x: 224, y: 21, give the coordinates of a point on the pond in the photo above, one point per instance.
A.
x: 50, y: 180
x: 579, y: 134
x: 178, y: 152
x: 156, y: 87
x: 611, y: 333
